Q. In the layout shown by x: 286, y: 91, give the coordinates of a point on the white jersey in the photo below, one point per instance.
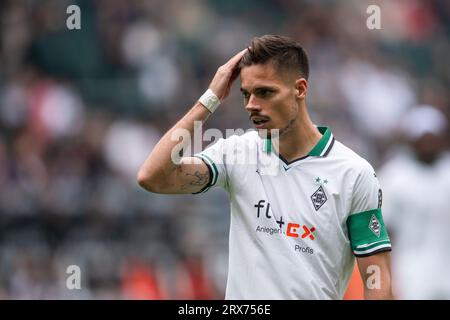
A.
x: 416, y: 209
x: 295, y: 227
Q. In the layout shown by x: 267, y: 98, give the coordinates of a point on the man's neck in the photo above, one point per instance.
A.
x: 300, y: 139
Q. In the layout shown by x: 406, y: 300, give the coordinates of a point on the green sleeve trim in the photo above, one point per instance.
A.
x: 367, y: 232
x: 215, y: 171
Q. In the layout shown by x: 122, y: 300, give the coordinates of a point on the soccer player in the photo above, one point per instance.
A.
x: 416, y: 180
x: 303, y: 206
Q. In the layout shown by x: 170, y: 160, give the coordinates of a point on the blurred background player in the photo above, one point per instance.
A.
x: 416, y: 189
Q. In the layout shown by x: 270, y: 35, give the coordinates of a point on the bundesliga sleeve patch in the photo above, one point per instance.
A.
x: 367, y: 233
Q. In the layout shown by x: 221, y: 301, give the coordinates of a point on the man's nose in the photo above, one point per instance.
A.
x: 252, y: 105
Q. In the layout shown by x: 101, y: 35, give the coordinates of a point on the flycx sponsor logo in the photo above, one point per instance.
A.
x: 304, y: 232
x: 292, y: 229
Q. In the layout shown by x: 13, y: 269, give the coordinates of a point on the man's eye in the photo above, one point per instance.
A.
x: 246, y: 95
x: 264, y: 92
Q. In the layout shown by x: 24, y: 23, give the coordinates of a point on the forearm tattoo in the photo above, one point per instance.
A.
x: 197, y: 179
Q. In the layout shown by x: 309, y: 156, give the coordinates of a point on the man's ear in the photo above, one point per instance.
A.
x: 301, y: 88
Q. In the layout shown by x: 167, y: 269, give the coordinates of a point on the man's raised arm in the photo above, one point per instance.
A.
x: 159, y: 173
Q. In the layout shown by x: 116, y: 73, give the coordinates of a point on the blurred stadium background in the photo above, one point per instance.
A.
x: 81, y: 109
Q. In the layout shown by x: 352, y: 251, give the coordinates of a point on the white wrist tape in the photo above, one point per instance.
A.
x: 209, y: 100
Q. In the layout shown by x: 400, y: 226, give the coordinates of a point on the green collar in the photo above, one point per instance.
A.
x: 321, y: 149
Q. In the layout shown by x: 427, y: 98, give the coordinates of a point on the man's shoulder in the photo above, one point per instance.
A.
x: 349, y: 158
x: 249, y: 138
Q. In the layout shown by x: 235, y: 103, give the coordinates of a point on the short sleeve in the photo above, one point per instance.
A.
x: 366, y: 229
x: 213, y: 156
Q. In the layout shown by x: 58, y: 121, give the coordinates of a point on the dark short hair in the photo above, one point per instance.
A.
x: 284, y: 52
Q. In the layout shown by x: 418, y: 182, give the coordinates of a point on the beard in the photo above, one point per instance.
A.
x: 277, y: 133
x: 289, y: 126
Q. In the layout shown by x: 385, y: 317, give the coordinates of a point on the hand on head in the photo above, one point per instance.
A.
x: 226, y: 75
